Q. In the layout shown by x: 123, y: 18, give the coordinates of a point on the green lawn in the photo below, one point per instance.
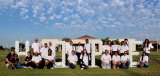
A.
x: 153, y: 70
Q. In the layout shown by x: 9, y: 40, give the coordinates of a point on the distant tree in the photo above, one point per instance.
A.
x: 12, y: 48
x: 22, y: 45
x: 1, y: 48
x: 105, y: 39
x: 65, y: 38
x: 117, y: 41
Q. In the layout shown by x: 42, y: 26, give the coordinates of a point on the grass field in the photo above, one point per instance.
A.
x: 153, y: 70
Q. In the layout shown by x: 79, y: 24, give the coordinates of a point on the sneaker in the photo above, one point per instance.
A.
x: 81, y: 68
x: 52, y: 68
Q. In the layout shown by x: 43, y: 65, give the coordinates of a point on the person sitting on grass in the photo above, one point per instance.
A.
x: 16, y: 61
x: 28, y: 60
x: 84, y: 59
x: 125, y: 60
x: 37, y: 61
x: 144, y: 60
x: 116, y: 61
x: 106, y: 60
x: 72, y: 60
x: 9, y: 60
x: 50, y: 59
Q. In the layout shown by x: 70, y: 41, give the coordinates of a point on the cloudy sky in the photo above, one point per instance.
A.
x: 27, y: 19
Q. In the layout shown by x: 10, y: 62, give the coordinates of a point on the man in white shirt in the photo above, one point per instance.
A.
x: 114, y: 48
x: 106, y: 60
x: 144, y: 60
x: 79, y: 50
x: 67, y: 44
x: 72, y: 60
x: 53, y: 48
x: 87, y: 46
x: 50, y: 59
x: 36, y: 46
x: 36, y: 61
x: 44, y: 53
x: 125, y: 60
x: 123, y: 48
x: 116, y: 61
x: 106, y: 46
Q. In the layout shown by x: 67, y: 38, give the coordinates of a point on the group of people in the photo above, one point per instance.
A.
x: 113, y: 55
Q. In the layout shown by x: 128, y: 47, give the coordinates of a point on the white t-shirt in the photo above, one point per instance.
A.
x: 124, y: 58
x: 44, y: 52
x: 50, y: 57
x: 79, y: 49
x: 87, y: 47
x: 123, y: 48
x: 147, y: 49
x: 53, y: 48
x: 67, y: 46
x: 106, y: 47
x: 36, y: 58
x: 70, y: 49
x: 114, y: 47
x: 73, y: 59
x: 85, y: 59
x: 106, y: 58
x: 36, y: 47
x: 145, y: 59
x: 116, y: 58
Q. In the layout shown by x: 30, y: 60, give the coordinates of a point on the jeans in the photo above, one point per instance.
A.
x: 72, y: 66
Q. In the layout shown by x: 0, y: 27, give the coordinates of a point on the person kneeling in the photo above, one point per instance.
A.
x: 49, y: 60
x: 28, y: 60
x: 125, y: 60
x: 84, y: 59
x: 36, y: 61
x: 144, y: 60
x: 72, y: 59
x: 116, y: 61
x: 106, y: 60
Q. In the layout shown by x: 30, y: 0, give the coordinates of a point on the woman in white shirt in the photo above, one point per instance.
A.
x: 50, y: 59
x: 79, y: 50
x: 72, y: 60
x: 36, y: 46
x: 106, y: 60
x: 106, y: 46
x: 144, y: 60
x: 147, y: 47
x: 114, y: 48
x: 123, y: 48
x: 36, y: 61
x: 125, y: 60
x: 116, y: 61
x: 84, y: 59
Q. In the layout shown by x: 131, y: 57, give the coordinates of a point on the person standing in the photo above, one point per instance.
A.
x: 123, y: 48
x: 72, y: 60
x: 87, y: 46
x: 147, y: 47
x: 36, y: 46
x: 114, y: 48
x: 106, y: 60
x: 106, y: 46
x: 79, y: 50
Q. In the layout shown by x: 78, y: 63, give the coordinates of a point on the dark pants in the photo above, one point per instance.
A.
x: 72, y: 66
x: 43, y: 63
x: 83, y: 66
x: 90, y: 58
x: 148, y: 54
x: 49, y: 65
x: 78, y: 55
x: 39, y: 66
x: 126, y: 65
x: 66, y: 59
x: 121, y: 54
x: 28, y: 64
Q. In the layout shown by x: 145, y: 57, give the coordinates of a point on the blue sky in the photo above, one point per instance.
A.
x: 27, y: 19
